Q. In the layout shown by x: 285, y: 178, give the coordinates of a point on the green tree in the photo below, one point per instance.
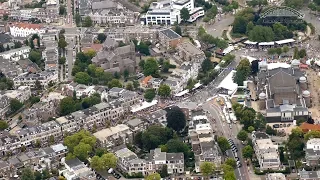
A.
x: 37, y: 175
x: 176, y: 119
x: 35, y: 56
x: 154, y: 136
x: 190, y: 84
x: 270, y: 131
x: 177, y: 29
x: 240, y: 25
x: 62, y: 60
x: 87, y: 22
x: 51, y: 140
x: 96, y: 163
x: 141, y: 64
x: 109, y: 160
x: 82, y: 78
x: 247, y: 152
x: 285, y: 49
x: 164, y: 90
x: 164, y: 171
x: 136, y: 84
x: 250, y: 26
x: 312, y: 134
x: 154, y: 176
x: 66, y: 106
x: 62, y: 10
x: 15, y: 105
x: 126, y: 74
x: 223, y: 143
x: 261, y: 34
x: 149, y: 95
x: 206, y: 65
x: 207, y: 168
x: 242, y: 135
x: 17, y: 44
x: 250, y: 129
x: 151, y: 67
x: 296, y: 4
x: 77, y: 18
x: 27, y: 174
x: 3, y: 125
x: 62, y: 43
x: 129, y: 86
x: 258, y: 3
x: 8, y: 47
x: 302, y: 53
x: 184, y: 14
x: 231, y: 162
x: 114, y: 83
x: 101, y: 37
x: 230, y: 175
x: 82, y: 151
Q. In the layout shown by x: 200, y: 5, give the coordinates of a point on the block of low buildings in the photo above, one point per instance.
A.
x: 29, y: 79
x: 275, y: 176
x: 114, y: 136
x: 313, y: 151
x: 189, y: 52
x: 266, y: 152
x: 4, y: 169
x: 158, y: 117
x: 137, y: 125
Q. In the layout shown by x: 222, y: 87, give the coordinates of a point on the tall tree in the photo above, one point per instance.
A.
x: 27, y: 174
x: 15, y: 105
x: 223, y: 143
x: 151, y: 67
x: 207, y: 168
x: 176, y: 119
x: 149, y: 95
x: 101, y: 37
x: 82, y: 78
x: 164, y: 90
x: 66, y: 106
x: 3, y: 125
x: 242, y: 135
x: 87, y: 22
x: 177, y: 29
x: 82, y: 151
x: 184, y: 14
x: 62, y: 43
x: 247, y: 152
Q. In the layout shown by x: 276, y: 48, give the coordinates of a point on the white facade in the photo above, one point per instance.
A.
x: 24, y: 29
x: 23, y: 93
x: 266, y: 153
x: 27, y: 79
x: 168, y: 12
x: 15, y: 54
x: 313, y: 144
x: 109, y: 17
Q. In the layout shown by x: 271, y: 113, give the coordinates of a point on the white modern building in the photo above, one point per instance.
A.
x: 25, y: 29
x: 168, y: 12
x: 16, y: 54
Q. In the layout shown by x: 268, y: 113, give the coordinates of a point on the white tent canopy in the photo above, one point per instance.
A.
x: 182, y: 93
x: 250, y: 42
x: 285, y: 41
x: 227, y: 83
x: 266, y: 43
x: 144, y: 105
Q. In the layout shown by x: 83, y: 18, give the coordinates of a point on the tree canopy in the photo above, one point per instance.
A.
x: 261, y: 34
x: 87, y: 22
x: 151, y: 67
x: 3, y: 125
x: 83, y: 78
x: 207, y: 168
x: 247, y: 152
x: 184, y: 14
x: 101, y: 37
x: 149, y: 95
x: 176, y: 119
x: 223, y: 143
x: 242, y: 135
x: 164, y: 90
x: 154, y: 176
x: 106, y: 161
x: 15, y: 105
x: 153, y: 137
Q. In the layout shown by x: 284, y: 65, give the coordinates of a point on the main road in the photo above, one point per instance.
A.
x: 216, y: 113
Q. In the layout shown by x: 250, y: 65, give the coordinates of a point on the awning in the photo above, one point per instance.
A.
x: 182, y: 93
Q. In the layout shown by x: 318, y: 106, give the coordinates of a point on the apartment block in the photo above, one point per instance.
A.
x: 114, y: 136
x: 266, y: 152
x: 313, y: 152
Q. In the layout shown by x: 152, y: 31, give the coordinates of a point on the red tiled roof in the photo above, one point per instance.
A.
x: 309, y: 127
x: 146, y: 80
x: 27, y: 25
x: 95, y: 47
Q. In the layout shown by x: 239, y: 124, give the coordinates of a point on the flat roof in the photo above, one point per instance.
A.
x: 144, y: 105
x: 104, y: 133
x: 285, y: 41
x: 266, y: 43
x: 250, y: 42
x: 182, y: 93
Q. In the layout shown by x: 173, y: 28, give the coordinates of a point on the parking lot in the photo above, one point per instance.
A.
x: 282, y: 127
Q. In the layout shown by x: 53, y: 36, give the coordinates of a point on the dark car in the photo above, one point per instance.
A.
x: 276, y: 126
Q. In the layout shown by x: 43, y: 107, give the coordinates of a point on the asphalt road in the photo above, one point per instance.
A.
x: 69, y: 21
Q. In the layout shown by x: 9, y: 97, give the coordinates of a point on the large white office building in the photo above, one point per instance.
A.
x: 167, y: 12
